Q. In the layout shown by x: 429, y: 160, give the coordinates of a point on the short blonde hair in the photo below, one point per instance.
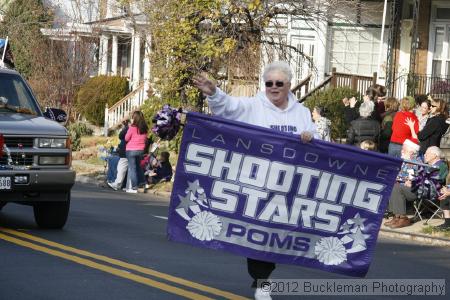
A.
x: 405, y: 104
x: 391, y: 104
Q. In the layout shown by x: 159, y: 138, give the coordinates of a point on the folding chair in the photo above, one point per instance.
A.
x: 434, y: 208
x: 426, y: 185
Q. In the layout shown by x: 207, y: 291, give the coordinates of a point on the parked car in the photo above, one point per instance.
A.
x: 35, y: 155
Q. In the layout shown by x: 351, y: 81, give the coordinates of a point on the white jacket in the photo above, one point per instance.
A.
x: 259, y: 111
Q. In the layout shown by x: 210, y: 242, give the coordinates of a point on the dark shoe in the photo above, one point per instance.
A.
x: 442, y: 227
x: 401, y: 222
x: 415, y: 219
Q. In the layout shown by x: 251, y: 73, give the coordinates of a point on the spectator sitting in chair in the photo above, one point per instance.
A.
x: 163, y: 171
x: 433, y: 157
x: 444, y: 200
x: 402, y: 188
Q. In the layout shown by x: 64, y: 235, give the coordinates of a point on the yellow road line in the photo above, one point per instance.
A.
x: 129, y: 266
x: 107, y: 269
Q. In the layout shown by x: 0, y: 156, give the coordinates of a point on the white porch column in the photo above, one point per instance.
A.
x: 136, y: 59
x: 103, y: 55
x: 114, y: 55
x: 147, y: 66
x: 322, y: 47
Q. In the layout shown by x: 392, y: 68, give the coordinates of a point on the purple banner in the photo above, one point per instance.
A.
x: 264, y: 194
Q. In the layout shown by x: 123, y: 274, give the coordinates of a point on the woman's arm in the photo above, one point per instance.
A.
x: 222, y: 104
x: 412, y: 127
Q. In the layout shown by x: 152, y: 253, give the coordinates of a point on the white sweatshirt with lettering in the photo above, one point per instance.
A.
x: 259, y: 111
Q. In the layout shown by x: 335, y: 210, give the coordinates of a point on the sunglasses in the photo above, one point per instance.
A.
x: 277, y: 83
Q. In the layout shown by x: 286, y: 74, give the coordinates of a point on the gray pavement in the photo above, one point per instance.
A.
x: 132, y: 229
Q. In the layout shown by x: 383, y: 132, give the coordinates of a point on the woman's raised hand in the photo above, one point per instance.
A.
x: 410, y: 122
x: 204, y: 84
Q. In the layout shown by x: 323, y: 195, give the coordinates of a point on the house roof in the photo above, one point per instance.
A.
x: 120, y: 25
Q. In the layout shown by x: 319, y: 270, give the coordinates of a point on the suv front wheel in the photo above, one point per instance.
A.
x: 52, y: 214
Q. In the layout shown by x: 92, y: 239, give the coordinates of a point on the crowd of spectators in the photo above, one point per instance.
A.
x: 409, y: 128
x: 134, y: 165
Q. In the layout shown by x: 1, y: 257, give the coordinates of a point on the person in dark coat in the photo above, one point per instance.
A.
x: 163, y: 171
x: 375, y: 93
x: 435, y: 127
x: 350, y: 110
x: 122, y: 165
x: 364, y: 128
x: 391, y: 105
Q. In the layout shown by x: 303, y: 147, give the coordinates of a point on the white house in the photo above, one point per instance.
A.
x: 350, y: 39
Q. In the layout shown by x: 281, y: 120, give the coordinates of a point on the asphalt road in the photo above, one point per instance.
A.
x: 114, y: 246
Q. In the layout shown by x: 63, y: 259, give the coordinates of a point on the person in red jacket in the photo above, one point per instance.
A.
x: 400, y: 129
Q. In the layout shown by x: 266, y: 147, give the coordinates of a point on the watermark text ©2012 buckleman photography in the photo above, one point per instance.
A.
x: 355, y: 287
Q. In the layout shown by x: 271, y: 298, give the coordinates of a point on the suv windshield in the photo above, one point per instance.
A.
x: 15, y: 95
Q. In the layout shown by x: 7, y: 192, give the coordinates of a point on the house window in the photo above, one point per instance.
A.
x: 443, y: 13
x: 355, y: 50
x: 441, y: 51
x: 302, y: 59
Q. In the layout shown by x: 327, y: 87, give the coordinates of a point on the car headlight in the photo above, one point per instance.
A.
x: 52, y: 160
x: 52, y: 143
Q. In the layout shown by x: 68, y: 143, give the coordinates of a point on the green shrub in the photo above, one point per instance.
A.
x: 81, y: 128
x: 96, y: 92
x: 77, y: 130
x: 331, y: 101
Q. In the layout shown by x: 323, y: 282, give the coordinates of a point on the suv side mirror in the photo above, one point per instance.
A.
x: 55, y: 114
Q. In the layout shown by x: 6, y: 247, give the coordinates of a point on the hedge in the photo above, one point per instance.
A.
x: 96, y: 92
x: 330, y: 100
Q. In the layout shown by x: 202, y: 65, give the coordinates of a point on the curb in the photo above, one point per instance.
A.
x: 424, y: 239
x: 86, y: 179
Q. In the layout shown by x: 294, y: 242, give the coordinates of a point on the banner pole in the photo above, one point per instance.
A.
x: 4, y: 49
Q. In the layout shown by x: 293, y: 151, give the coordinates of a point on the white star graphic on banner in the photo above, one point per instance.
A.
x: 193, y: 186
x: 185, y: 202
x: 358, y: 221
x: 359, y: 239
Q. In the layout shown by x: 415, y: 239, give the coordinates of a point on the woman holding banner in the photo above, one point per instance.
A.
x: 276, y: 108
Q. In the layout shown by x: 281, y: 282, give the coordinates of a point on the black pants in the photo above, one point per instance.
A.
x: 259, y: 269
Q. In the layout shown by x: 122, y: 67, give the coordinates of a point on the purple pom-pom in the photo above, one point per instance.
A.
x: 167, y: 122
x: 426, y: 184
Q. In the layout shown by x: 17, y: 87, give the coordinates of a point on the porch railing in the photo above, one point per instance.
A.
x: 304, y: 84
x: 436, y: 86
x: 116, y: 113
x: 336, y: 79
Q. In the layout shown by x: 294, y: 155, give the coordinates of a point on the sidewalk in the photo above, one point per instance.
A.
x: 413, y: 233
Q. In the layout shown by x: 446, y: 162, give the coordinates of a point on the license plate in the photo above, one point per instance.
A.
x: 5, y: 183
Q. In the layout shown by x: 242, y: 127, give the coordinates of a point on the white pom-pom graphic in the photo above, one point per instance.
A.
x: 204, y: 226
x: 330, y: 251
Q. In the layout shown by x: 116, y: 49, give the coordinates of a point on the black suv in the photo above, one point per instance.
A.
x: 35, y: 159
